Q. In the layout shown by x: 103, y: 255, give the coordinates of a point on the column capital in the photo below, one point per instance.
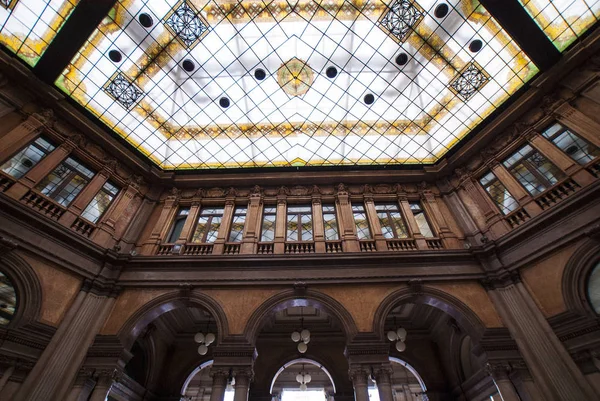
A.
x: 501, y: 279
x: 383, y: 374
x: 499, y: 370
x: 359, y: 375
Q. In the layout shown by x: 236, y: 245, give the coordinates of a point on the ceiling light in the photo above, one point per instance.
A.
x: 331, y: 72
x: 402, y: 59
x: 398, y: 336
x: 188, y: 65
x: 369, y: 98
x: 224, y: 102
x: 115, y: 56
x: 146, y: 20
x: 260, y: 74
x: 475, y: 45
x: 441, y: 10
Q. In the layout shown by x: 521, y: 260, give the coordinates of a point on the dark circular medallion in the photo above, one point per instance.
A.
x: 475, y: 45
x: 402, y: 59
x: 441, y: 10
x: 260, y: 74
x: 115, y: 56
x: 331, y: 72
x: 369, y: 98
x: 224, y: 102
x: 146, y: 20
x: 571, y: 150
x: 188, y: 65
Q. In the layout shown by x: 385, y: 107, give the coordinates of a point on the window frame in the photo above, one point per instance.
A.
x: 299, y: 216
x: 335, y: 221
x: 563, y: 129
x: 107, y: 192
x: 494, y: 181
x: 369, y: 227
x: 394, y: 221
x: 31, y: 143
x: 178, y: 217
x: 64, y: 182
x: 208, y: 223
x: 530, y: 168
x: 262, y: 223
x: 421, y: 209
x: 233, y: 216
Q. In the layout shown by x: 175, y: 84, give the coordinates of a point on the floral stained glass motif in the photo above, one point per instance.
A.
x: 178, y: 60
x: 27, y: 27
x: 469, y: 81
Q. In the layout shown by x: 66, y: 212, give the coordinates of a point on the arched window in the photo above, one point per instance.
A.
x: 8, y: 300
x: 593, y: 288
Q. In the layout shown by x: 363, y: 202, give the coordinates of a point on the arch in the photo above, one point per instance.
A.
x: 291, y: 298
x: 411, y: 370
x: 464, y: 316
x: 302, y: 360
x: 27, y: 287
x: 168, y: 302
x: 193, y: 374
x: 575, y: 277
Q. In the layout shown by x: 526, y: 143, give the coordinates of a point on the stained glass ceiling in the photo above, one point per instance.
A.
x: 28, y: 26
x: 198, y: 84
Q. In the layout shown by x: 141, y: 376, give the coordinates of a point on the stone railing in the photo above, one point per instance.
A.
x: 517, y: 217
x: 265, y: 248
x: 299, y: 247
x: 434, y: 243
x: 333, y: 246
x: 5, y: 182
x: 556, y: 193
x: 232, y: 248
x: 594, y: 167
x: 164, y: 249
x: 45, y: 205
x: 367, y: 245
x: 83, y: 226
x: 197, y: 249
x: 400, y: 245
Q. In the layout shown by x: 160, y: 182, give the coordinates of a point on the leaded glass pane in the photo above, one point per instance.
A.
x: 28, y: 157
x: 65, y: 182
x: 228, y: 84
x: 292, y: 228
x: 237, y: 225
x: 213, y: 230
x: 533, y: 170
x: 330, y: 223
x: 200, y: 231
x: 593, y: 288
x: 100, y: 203
x: 361, y: 222
x: 421, y: 220
x: 8, y: 300
x: 299, y: 223
x: 268, y: 229
x: 576, y: 147
x: 563, y: 21
x: 500, y: 195
x: 391, y: 221
x: 207, y: 228
x: 307, y: 233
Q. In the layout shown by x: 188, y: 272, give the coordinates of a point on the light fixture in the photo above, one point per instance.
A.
x: 301, y: 337
x: 303, y: 378
x: 398, y: 336
x: 204, y: 340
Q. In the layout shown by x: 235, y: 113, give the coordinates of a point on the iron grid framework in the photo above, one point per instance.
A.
x: 421, y: 108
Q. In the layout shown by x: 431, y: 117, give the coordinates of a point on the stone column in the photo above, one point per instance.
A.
x: 360, y: 381
x: 242, y: 384
x: 59, y: 363
x: 557, y: 376
x: 499, y: 373
x: 560, y: 159
x: 253, y: 222
x: 5, y: 376
x: 21, y: 135
x: 162, y: 225
x: 516, y: 189
x: 318, y: 225
x: 219, y: 384
x: 573, y: 119
x: 280, y: 223
x: 102, y: 387
x: 346, y: 220
x: 384, y: 383
x: 105, y: 228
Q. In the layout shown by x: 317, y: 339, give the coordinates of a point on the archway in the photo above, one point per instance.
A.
x: 20, y: 278
x: 198, y: 385
x: 303, y: 379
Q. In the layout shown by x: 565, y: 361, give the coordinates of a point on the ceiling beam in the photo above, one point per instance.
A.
x: 523, y: 29
x: 76, y: 30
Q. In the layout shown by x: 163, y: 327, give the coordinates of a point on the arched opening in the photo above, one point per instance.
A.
x: 302, y: 379
x: 406, y: 382
x: 593, y: 288
x: 198, y: 385
x: 8, y: 300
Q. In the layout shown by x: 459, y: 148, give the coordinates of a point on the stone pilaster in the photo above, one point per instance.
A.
x: 83, y: 198
x: 58, y: 365
x: 410, y: 220
x: 380, y: 242
x: 516, y: 189
x: 22, y: 134
x: 253, y: 222
x: 163, y: 224
x: 437, y: 219
x: 280, y: 223
x: 557, y: 376
x: 223, y: 234
x: 584, y: 126
x: 346, y: 220
x: 318, y: 225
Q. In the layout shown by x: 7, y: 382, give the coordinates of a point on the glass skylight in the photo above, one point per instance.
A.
x: 563, y: 21
x: 216, y: 84
x: 28, y: 26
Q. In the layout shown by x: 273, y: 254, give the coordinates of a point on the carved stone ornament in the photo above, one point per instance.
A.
x: 256, y: 191
x: 315, y: 190
x: 110, y: 164
x: 462, y: 173
x: 342, y: 189
x: 231, y: 192
x: 550, y: 103
x: 215, y: 193
x: 175, y: 193
x: 283, y: 191
x: 46, y: 117
x: 135, y: 181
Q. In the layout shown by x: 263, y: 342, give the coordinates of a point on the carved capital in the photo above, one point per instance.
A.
x: 135, y: 181
x: 359, y: 376
x: 501, y: 280
x: 499, y: 370
x: 7, y: 245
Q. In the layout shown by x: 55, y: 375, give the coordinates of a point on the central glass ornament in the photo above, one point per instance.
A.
x: 295, y: 77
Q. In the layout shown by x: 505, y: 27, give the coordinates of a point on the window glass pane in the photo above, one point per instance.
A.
x: 577, y: 148
x: 200, y: 229
x: 299, y: 223
x: 594, y: 288
x: 423, y: 225
x: 28, y: 157
x: 100, y: 203
x: 8, y: 300
x: 330, y: 223
x: 237, y: 225
x: 292, y: 227
x: 307, y: 233
x: 65, y: 182
x: 499, y: 194
x: 533, y: 170
x: 268, y: 229
x: 390, y: 219
x: 178, y: 224
x: 213, y: 230
x: 361, y: 222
